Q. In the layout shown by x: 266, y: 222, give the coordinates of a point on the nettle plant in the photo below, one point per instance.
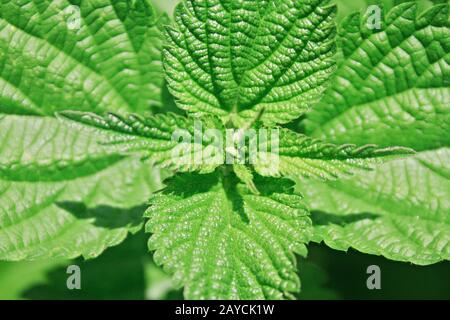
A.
x: 74, y: 184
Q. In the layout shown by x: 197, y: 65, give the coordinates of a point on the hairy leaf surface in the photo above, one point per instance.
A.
x: 400, y: 210
x: 92, y: 55
x: 169, y: 139
x: 223, y: 242
x: 300, y: 156
x: 235, y: 58
x: 393, y: 82
x: 346, y: 7
x: 62, y: 194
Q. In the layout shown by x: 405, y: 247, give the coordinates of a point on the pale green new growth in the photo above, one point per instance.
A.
x: 245, y: 175
x: 299, y: 156
x: 169, y: 139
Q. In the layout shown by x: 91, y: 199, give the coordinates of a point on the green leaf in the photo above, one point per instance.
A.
x: 92, y: 55
x: 61, y: 193
x: 346, y: 7
x: 246, y: 176
x: 400, y: 210
x: 172, y: 141
x: 298, y: 156
x: 392, y: 83
x: 234, y: 59
x: 223, y: 242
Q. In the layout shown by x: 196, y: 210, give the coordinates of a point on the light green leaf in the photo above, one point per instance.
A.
x: 223, y: 242
x: 400, y: 210
x: 95, y: 55
x: 346, y: 7
x: 61, y: 195
x: 246, y: 176
x: 393, y: 82
x: 172, y: 141
x: 233, y: 59
x: 298, y: 156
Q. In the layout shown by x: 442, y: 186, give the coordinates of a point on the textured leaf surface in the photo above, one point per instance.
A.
x: 173, y: 141
x: 240, y: 57
x: 223, y: 242
x: 299, y: 156
x: 346, y: 7
x: 61, y: 195
x: 393, y: 82
x: 96, y: 55
x: 400, y: 210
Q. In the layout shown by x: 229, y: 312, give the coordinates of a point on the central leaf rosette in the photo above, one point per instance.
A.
x: 226, y: 227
